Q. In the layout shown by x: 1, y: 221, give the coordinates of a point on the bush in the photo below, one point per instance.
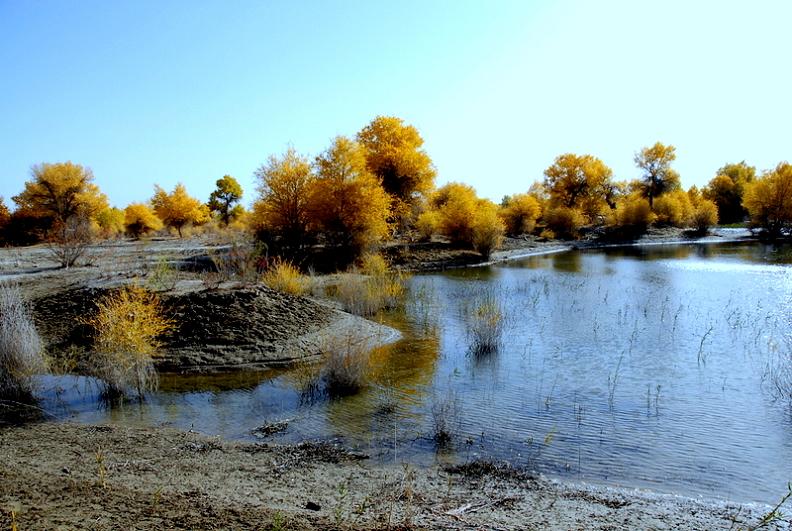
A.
x: 520, y: 214
x: 487, y: 229
x: 564, y: 221
x: 427, y: 224
x: 674, y: 208
x: 127, y: 328
x: 633, y: 213
x: 283, y: 276
x: 69, y: 240
x: 21, y: 348
x: 140, y: 220
x: 705, y: 215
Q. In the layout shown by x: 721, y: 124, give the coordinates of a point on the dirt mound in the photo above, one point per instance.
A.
x: 215, y: 329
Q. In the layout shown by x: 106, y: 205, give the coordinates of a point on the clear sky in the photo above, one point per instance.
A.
x: 148, y: 92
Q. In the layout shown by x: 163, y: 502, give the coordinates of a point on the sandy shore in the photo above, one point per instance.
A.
x: 69, y: 476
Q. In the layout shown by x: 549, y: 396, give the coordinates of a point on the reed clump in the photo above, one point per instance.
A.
x: 372, y: 288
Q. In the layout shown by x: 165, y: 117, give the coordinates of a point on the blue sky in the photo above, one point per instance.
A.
x: 160, y: 92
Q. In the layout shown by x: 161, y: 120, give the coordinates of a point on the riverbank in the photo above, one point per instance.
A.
x: 70, y: 476
x: 438, y: 256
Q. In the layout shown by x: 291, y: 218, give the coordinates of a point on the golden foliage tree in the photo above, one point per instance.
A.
x: 658, y: 176
x: 282, y: 208
x: 227, y: 193
x: 579, y: 182
x: 128, y: 326
x: 5, y: 214
x: 139, y: 219
x: 726, y: 189
x: 519, y: 213
x: 60, y: 191
x: 768, y: 200
x: 178, y: 209
x: 395, y: 156
x: 705, y: 215
x: 346, y: 202
x: 110, y: 222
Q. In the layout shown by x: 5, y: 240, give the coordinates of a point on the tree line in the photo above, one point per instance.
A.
x: 366, y: 189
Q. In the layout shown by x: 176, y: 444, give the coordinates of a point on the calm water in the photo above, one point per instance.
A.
x: 635, y: 367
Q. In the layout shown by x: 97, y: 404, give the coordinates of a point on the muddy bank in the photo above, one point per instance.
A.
x: 215, y: 330
x: 108, y: 477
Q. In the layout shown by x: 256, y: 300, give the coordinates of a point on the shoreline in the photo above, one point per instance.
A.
x: 68, y: 474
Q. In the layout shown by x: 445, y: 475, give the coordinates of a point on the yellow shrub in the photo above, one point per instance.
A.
x: 139, y: 219
x: 283, y: 276
x: 705, y: 215
x: 632, y: 211
x: 127, y: 326
x: 488, y: 228
x: 564, y: 222
x: 427, y: 224
x: 455, y: 204
x: 674, y: 208
x: 374, y: 265
x: 520, y: 214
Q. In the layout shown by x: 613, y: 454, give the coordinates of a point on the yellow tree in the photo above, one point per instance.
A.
x: 726, y: 189
x: 768, y: 200
x: 110, y: 222
x: 139, y: 219
x: 60, y: 191
x: 580, y: 182
x: 658, y: 176
x: 346, y: 202
x: 282, y: 209
x: 394, y: 154
x: 178, y: 209
x: 466, y: 219
x: 519, y: 213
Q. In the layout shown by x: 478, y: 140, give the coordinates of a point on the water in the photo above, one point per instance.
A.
x: 640, y: 367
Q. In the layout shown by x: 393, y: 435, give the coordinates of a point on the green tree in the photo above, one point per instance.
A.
x: 658, y: 176
x: 227, y: 193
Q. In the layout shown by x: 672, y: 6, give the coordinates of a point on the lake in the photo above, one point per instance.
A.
x: 647, y: 367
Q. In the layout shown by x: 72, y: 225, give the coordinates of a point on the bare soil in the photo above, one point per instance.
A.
x: 68, y: 476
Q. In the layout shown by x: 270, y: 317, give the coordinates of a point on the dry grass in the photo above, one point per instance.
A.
x: 346, y: 366
x: 377, y: 289
x: 485, y: 325
x: 283, y: 276
x: 21, y: 348
x: 127, y: 326
x: 445, y: 417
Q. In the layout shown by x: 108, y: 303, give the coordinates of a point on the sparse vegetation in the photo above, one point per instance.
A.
x: 284, y: 276
x: 486, y: 323
x: 374, y: 288
x: 128, y: 325
x: 21, y: 348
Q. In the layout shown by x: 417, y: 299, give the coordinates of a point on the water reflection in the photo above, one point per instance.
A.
x: 637, y: 366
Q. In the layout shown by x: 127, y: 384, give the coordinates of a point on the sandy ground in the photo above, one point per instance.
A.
x: 67, y: 476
